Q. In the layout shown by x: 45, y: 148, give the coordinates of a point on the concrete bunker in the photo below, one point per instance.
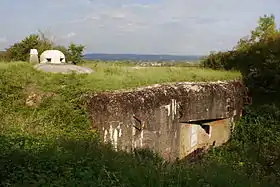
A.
x: 53, y: 57
x: 171, y: 119
x: 54, y: 61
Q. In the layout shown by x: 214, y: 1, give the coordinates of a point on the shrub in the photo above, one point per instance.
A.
x: 3, y: 56
x: 257, y: 57
x: 254, y: 147
x: 75, y: 53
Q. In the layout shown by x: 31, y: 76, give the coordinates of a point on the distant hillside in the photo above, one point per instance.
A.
x: 139, y: 57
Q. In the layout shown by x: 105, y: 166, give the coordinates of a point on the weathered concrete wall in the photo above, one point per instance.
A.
x: 160, y: 117
x: 194, y: 136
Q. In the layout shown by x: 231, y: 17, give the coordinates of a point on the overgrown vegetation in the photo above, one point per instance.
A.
x: 256, y: 57
x: 45, y: 137
x: 20, y: 51
x: 255, y: 145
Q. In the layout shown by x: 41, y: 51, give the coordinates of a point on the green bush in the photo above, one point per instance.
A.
x: 256, y: 57
x: 3, y: 56
x: 254, y: 148
x: 220, y: 60
x: 75, y: 53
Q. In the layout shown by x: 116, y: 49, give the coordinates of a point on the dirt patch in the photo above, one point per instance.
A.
x: 34, y: 96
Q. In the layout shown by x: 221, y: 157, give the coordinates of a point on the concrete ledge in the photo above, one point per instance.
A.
x: 151, y: 116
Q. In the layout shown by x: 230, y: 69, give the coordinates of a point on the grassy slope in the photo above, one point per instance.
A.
x: 111, y: 77
x: 51, y: 145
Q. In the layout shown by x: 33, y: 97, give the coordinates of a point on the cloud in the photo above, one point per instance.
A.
x: 156, y: 28
x: 146, y: 26
x: 135, y: 6
x: 69, y: 35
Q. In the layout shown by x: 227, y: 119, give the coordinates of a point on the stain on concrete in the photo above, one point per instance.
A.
x: 159, y: 117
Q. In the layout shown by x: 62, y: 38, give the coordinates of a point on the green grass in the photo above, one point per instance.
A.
x: 51, y: 144
x: 110, y: 76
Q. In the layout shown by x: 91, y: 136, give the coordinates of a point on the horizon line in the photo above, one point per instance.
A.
x: 103, y: 53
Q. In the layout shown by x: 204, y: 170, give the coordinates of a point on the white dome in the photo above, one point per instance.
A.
x: 52, y: 56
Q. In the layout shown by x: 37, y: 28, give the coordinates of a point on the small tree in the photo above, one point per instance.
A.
x: 255, y: 56
x: 75, y: 53
x: 266, y: 29
x: 20, y: 50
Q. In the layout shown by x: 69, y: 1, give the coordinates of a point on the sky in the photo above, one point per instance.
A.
x: 184, y: 27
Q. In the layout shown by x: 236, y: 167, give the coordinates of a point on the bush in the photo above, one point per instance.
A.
x: 220, y: 60
x: 257, y: 58
x: 75, y: 53
x: 254, y: 147
x: 3, y: 56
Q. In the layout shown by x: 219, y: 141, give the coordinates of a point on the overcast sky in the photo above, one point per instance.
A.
x: 136, y: 26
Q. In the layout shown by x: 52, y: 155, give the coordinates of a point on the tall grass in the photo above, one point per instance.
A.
x: 109, y: 76
x: 49, y: 143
